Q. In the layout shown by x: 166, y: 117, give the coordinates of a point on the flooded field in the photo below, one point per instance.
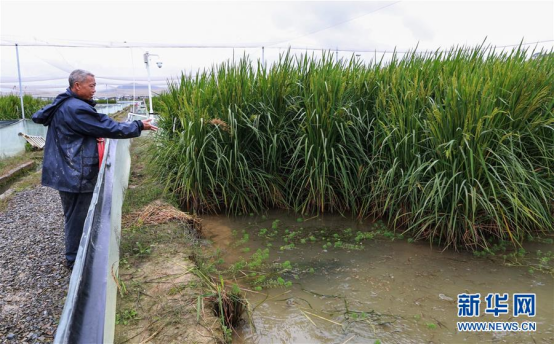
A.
x: 333, y: 280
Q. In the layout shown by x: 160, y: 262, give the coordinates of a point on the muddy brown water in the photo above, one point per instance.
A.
x: 389, y: 291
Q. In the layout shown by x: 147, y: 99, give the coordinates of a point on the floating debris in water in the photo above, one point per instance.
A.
x: 444, y: 297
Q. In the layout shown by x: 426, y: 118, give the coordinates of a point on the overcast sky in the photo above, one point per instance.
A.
x: 189, y: 36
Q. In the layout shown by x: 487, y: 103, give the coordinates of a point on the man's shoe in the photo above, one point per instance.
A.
x: 69, y: 264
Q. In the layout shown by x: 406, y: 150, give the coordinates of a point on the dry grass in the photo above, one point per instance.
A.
x: 159, y: 212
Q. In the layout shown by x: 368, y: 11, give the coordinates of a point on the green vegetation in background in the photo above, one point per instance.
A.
x: 455, y: 147
x: 156, y: 103
x: 10, y: 106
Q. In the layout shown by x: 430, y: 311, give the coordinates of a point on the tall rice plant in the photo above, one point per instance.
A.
x: 455, y: 146
x: 461, y: 149
x: 330, y: 121
x: 218, y: 151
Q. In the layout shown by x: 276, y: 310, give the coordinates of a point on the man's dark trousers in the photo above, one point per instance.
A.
x: 75, y: 208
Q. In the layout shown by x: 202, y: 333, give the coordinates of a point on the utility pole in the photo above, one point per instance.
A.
x: 20, y: 88
x: 147, y: 56
x: 134, y: 79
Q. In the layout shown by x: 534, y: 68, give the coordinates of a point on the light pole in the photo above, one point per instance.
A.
x: 147, y: 56
x: 19, y: 76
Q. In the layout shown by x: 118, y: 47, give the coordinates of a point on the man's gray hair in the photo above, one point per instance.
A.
x: 78, y: 76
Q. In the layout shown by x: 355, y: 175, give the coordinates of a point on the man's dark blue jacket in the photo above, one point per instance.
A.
x: 71, y: 155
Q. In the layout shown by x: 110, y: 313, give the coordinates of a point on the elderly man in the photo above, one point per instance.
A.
x: 71, y: 159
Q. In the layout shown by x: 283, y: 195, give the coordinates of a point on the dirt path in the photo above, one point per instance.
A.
x: 160, y: 298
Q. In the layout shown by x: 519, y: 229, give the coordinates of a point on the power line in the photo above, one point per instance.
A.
x: 393, y: 51
x: 198, y: 46
x: 117, y: 45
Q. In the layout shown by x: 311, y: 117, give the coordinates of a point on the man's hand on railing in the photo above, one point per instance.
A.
x: 148, y: 126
